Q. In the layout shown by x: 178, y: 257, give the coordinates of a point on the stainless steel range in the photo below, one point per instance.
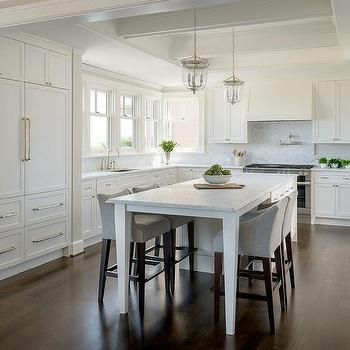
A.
x: 304, y: 180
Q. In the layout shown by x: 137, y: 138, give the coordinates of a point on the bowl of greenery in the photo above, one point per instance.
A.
x: 217, y: 175
x: 323, y: 162
x: 335, y: 163
x: 346, y: 163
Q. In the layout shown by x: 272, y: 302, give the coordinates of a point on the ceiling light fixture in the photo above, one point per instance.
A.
x: 233, y: 86
x: 194, y: 68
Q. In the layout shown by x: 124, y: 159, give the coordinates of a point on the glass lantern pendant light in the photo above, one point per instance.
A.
x: 194, y: 68
x: 233, y: 86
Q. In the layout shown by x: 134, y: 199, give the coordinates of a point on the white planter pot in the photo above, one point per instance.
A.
x: 323, y: 166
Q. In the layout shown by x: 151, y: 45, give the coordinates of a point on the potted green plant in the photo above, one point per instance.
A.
x: 346, y: 163
x: 323, y: 162
x: 335, y: 163
x: 168, y: 146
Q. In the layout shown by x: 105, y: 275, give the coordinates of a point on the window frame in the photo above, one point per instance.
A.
x: 168, y: 97
x: 136, y: 119
x: 88, y: 87
x: 157, y: 119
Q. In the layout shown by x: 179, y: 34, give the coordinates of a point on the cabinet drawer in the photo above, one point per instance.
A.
x: 87, y: 188
x: 46, y: 206
x: 11, y: 248
x: 107, y: 186
x: 326, y: 179
x: 44, y: 238
x: 11, y: 214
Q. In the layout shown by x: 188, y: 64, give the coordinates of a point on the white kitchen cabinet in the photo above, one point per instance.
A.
x: 324, y: 203
x: 343, y: 110
x: 343, y: 200
x: 88, y: 212
x: 11, y: 59
x: 280, y: 100
x: 331, y: 116
x: 11, y: 113
x: 226, y: 122
x: 46, y: 67
x: 49, y: 141
x: 11, y: 248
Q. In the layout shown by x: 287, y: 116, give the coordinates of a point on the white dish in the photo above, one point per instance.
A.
x: 217, y: 179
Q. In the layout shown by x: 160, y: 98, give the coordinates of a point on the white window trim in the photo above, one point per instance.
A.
x: 172, y: 96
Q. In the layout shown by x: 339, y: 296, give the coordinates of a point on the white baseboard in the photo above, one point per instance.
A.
x: 77, y: 247
x: 331, y: 221
x: 92, y: 240
x: 30, y: 264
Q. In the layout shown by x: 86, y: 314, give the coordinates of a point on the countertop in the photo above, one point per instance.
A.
x: 185, y: 196
x: 139, y: 169
x: 317, y: 168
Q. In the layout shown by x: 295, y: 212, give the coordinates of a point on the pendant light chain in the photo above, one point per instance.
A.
x: 195, y: 33
x: 233, y: 51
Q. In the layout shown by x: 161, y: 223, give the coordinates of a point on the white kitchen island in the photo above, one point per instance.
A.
x: 185, y: 200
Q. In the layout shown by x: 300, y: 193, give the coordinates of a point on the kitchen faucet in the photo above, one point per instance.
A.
x: 108, y: 165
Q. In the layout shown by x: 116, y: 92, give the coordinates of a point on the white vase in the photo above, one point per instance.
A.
x: 323, y: 166
x: 167, y: 157
x: 239, y: 161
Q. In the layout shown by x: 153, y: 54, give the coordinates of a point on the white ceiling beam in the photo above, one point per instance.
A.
x: 243, y: 13
x: 341, y: 9
x: 286, y: 37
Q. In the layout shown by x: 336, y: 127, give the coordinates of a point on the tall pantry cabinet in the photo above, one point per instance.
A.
x: 35, y: 153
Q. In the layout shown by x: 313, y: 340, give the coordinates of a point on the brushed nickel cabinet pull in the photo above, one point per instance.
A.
x: 4, y: 216
x: 43, y: 239
x: 48, y: 207
x: 7, y: 250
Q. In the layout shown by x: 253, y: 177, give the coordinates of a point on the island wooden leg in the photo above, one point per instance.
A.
x: 230, y: 238
x: 123, y: 236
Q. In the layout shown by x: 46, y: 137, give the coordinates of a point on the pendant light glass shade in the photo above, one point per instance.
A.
x: 233, y: 85
x: 194, y: 68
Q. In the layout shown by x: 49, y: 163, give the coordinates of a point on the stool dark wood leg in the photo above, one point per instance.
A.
x: 106, y: 245
x: 250, y: 268
x: 172, y: 259
x: 190, y: 235
x: 279, y: 270
x: 269, y: 292
x: 218, y: 259
x: 132, y: 245
x: 290, y: 259
x: 157, y: 246
x: 141, y: 252
x: 167, y: 259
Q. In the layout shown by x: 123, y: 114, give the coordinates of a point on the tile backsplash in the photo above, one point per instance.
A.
x: 263, y: 147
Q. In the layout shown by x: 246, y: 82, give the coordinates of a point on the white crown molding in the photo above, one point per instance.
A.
x: 124, y: 79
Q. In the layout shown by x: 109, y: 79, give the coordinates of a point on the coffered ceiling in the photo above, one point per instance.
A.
x: 271, y: 36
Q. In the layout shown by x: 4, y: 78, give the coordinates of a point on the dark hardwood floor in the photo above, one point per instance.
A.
x: 55, y: 306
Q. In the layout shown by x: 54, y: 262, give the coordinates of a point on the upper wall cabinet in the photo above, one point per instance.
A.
x: 11, y: 59
x: 331, y: 112
x: 282, y: 100
x: 226, y: 122
x: 46, y: 67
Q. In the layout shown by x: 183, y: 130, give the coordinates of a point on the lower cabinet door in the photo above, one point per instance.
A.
x: 87, y: 216
x: 343, y: 201
x: 325, y: 203
x: 11, y: 248
x: 46, y: 237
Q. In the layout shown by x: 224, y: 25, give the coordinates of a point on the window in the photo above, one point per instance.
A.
x: 151, y: 116
x: 127, y: 113
x: 99, y: 121
x: 183, y: 123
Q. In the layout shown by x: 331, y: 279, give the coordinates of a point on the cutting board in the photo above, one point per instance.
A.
x: 228, y: 186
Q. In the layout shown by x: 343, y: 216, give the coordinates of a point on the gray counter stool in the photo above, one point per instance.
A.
x: 176, y: 222
x: 144, y: 228
x: 288, y: 265
x: 259, y: 237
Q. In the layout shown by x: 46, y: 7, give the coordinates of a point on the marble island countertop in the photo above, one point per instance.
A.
x: 140, y: 169
x: 318, y: 168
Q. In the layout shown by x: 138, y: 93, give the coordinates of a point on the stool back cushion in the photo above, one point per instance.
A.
x: 142, y: 189
x: 107, y: 213
x: 261, y: 235
x: 288, y: 218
